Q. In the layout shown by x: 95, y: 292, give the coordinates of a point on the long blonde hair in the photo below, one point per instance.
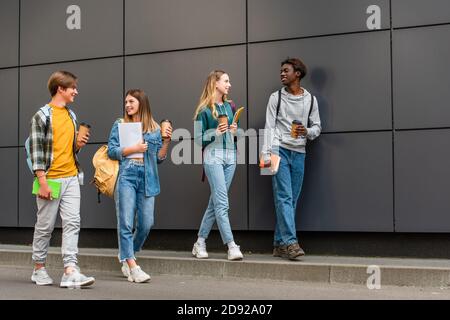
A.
x: 144, y: 112
x: 208, y: 94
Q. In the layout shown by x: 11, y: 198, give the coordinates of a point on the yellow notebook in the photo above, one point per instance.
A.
x: 237, y: 114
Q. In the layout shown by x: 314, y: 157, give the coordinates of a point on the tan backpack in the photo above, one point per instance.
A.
x: 106, y: 172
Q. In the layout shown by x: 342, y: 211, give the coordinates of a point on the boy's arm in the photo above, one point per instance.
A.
x: 269, y: 128
x: 37, y: 144
x: 314, y: 119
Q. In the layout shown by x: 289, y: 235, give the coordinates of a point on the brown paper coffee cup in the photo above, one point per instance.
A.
x: 295, y: 125
x: 164, y: 125
x: 223, y: 119
x: 83, y: 129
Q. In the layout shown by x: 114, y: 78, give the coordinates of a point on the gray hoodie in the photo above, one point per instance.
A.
x: 291, y: 108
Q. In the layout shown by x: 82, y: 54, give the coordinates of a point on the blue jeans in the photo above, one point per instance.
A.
x: 219, y: 165
x: 287, y: 184
x: 135, y: 210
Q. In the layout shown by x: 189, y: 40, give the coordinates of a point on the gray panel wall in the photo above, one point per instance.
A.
x: 172, y: 24
x: 421, y: 81
x: 8, y: 191
x: 99, y: 102
x: 352, y: 81
x: 9, y: 93
x: 407, y: 13
x: 174, y: 86
x: 168, y: 47
x: 45, y: 36
x: 347, y: 186
x: 9, y: 33
x: 184, y: 198
x: 270, y: 20
x: 422, y: 181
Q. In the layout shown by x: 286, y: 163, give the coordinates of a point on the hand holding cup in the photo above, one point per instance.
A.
x: 83, y: 135
x: 166, y: 130
x: 223, y: 124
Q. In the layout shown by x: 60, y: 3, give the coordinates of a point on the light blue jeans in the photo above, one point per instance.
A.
x: 287, y: 184
x: 135, y: 210
x: 219, y: 165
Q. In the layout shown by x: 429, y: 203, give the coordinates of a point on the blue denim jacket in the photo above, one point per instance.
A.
x: 151, y: 158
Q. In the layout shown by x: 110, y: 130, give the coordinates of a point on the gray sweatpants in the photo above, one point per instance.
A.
x: 68, y: 205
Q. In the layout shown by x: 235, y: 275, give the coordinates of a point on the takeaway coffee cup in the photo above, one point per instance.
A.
x: 83, y: 129
x: 294, y: 127
x: 223, y: 118
x: 164, y: 125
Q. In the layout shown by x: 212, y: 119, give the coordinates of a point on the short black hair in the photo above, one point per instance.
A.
x: 297, y: 64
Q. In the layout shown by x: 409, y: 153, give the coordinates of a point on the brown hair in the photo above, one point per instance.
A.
x: 63, y: 79
x: 144, y: 112
x: 298, y: 65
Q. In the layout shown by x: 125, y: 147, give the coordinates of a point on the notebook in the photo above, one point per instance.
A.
x: 274, y: 166
x: 238, y: 114
x: 55, y: 186
x: 130, y: 134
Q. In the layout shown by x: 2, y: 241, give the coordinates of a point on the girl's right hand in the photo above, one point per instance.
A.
x: 221, y: 129
x: 141, y: 147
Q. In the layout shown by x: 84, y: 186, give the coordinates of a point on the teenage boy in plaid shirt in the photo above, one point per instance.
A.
x: 53, y: 148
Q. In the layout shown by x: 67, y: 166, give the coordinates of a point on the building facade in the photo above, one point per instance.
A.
x: 379, y: 69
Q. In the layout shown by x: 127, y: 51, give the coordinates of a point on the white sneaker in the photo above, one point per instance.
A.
x: 41, y: 277
x: 138, y: 276
x: 125, y: 270
x: 199, y: 251
x: 76, y: 280
x: 234, y: 253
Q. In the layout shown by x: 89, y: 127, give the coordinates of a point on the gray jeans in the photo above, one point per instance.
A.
x: 68, y: 205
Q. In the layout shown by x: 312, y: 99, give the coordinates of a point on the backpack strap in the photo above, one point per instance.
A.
x: 311, y: 107
x: 46, y: 112
x: 278, y: 108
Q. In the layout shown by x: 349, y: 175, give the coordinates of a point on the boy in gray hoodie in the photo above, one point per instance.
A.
x: 288, y: 140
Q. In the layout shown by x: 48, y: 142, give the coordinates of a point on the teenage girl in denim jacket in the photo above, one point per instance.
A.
x: 138, y: 181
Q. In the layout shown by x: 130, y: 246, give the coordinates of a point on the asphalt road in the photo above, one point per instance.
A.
x: 15, y: 283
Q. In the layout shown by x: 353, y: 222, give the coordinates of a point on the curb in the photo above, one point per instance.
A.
x: 252, y: 268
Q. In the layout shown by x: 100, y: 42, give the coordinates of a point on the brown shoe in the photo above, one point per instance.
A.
x: 294, y: 251
x: 280, y: 251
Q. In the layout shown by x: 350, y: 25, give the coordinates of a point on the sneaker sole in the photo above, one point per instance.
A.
x: 77, y: 285
x: 194, y: 253
x: 296, y: 256
x: 143, y: 281
x: 42, y: 283
x: 235, y: 258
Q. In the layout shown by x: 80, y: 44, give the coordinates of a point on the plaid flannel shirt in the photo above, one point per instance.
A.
x: 41, y: 139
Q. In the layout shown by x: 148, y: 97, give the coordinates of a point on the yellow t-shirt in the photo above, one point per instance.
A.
x: 63, y: 164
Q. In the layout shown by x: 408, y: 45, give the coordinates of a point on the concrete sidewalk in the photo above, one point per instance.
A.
x: 324, y: 269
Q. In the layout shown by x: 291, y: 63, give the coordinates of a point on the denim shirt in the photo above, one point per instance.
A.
x: 151, y: 158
